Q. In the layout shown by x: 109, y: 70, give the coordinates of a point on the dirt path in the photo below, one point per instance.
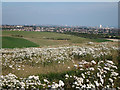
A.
x: 116, y: 40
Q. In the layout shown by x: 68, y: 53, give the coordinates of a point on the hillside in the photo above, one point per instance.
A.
x: 40, y: 38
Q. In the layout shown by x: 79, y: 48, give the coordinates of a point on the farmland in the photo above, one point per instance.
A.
x: 45, y: 38
x: 11, y: 42
x: 59, y: 61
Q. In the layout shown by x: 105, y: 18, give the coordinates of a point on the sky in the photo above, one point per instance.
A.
x: 60, y: 13
x: 60, y: 0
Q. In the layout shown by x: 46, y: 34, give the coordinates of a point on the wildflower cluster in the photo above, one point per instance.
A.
x: 16, y: 58
x: 102, y: 74
x: 92, y: 71
x: 11, y: 81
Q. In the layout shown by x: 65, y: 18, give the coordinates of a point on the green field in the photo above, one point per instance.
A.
x: 100, y: 40
x: 11, y: 42
x: 14, y: 39
x: 40, y: 38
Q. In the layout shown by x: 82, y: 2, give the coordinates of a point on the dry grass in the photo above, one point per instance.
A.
x: 41, y: 69
x: 53, y: 67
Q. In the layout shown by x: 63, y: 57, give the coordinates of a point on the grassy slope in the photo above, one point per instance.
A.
x: 40, y: 37
x: 100, y: 40
x: 11, y: 42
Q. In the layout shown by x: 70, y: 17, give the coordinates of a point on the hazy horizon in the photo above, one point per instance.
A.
x: 60, y: 13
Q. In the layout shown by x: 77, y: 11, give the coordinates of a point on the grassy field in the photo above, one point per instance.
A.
x: 66, y: 57
x: 44, y: 38
x: 11, y: 42
x: 100, y: 40
x: 41, y: 39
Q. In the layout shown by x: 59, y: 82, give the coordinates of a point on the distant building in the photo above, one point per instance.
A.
x: 100, y: 26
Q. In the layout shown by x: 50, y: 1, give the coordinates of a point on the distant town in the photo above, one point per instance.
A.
x: 112, y: 32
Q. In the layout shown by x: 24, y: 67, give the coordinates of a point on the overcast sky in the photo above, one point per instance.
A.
x: 61, y: 13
